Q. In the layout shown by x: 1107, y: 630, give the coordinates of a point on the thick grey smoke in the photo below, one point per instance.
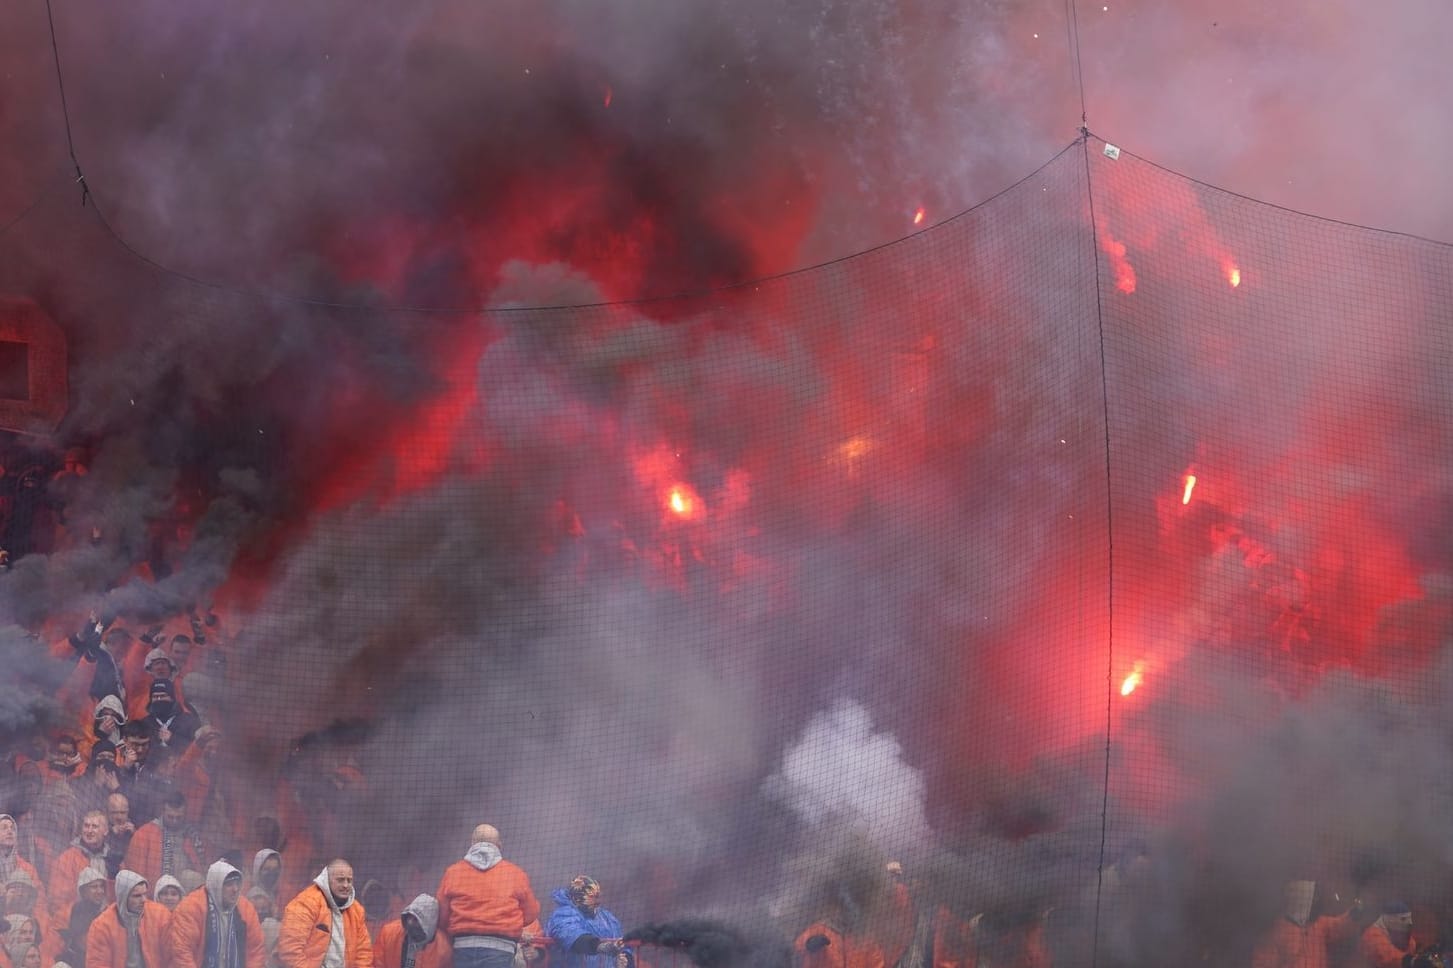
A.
x: 897, y: 582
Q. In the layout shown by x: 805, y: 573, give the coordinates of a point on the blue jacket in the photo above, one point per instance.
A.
x: 568, y: 924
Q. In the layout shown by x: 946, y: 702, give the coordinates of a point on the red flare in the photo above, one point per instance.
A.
x: 918, y: 215
x: 1190, y: 487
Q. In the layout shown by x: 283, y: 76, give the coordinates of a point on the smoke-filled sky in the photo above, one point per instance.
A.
x: 704, y: 596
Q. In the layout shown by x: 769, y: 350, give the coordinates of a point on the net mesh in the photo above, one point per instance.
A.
x: 1086, y: 555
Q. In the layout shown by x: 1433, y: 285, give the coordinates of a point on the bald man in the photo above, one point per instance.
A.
x: 485, y: 903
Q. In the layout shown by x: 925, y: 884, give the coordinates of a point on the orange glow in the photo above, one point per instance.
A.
x: 918, y: 216
x: 1134, y: 679
x: 1234, y: 276
x: 855, y: 448
x: 682, y: 501
x: 1190, y: 486
x: 607, y: 95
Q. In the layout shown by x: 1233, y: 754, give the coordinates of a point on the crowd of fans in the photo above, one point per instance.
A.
x: 129, y: 841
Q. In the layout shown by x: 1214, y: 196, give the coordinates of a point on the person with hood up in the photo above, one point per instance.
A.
x: 106, y: 722
x: 412, y: 940
x: 325, y: 926
x: 159, y: 667
x: 10, y: 859
x: 167, y: 892
x: 217, y: 927
x: 161, y: 846
x: 170, y: 723
x: 87, y: 850
x: 1388, y: 942
x: 1300, y: 938
x: 484, y: 904
x: 586, y: 935
x: 267, y: 875
x: 21, y: 897
x: 91, y: 886
x: 130, y: 933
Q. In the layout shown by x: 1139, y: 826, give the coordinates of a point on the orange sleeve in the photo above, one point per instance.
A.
x: 100, y: 940
x: 529, y: 905
x: 293, y: 934
x: 184, y: 934
x: 256, y: 954
x: 1379, y: 952
x: 360, y: 946
x: 388, y: 946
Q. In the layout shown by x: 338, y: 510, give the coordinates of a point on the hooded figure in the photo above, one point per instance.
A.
x: 130, y: 933
x: 167, y: 892
x: 267, y: 876
x: 587, y: 935
x: 1299, y: 940
x: 485, y: 903
x: 91, y: 901
x: 412, y: 940
x: 107, y: 720
x: 10, y: 859
x: 325, y: 926
x: 1389, y: 940
x: 217, y: 927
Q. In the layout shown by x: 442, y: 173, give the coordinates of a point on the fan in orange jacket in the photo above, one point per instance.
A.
x: 325, y: 926
x: 217, y: 927
x: 412, y: 940
x: 131, y: 920
x: 159, y: 847
x: 1388, y: 940
x: 87, y: 850
x: 1299, y: 940
x: 485, y: 902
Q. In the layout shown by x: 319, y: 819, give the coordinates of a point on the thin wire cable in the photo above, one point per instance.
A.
x: 1281, y: 208
x: 65, y: 109
x: 1109, y: 556
x: 46, y: 192
x: 645, y: 300
x: 1072, y: 29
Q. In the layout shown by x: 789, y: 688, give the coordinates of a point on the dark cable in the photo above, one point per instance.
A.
x: 1072, y: 29
x: 1109, y: 556
x: 460, y: 310
x: 65, y: 111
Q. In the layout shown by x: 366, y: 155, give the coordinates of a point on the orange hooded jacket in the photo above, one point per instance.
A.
x: 307, y: 926
x: 1289, y: 945
x: 187, y: 939
x: 1376, y: 949
x: 484, y: 894
x: 143, y: 855
x: 106, y: 939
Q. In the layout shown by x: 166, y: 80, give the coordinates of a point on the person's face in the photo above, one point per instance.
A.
x: 14, y: 898
x: 93, y: 831
x: 108, y: 721
x: 161, y: 669
x: 182, y: 650
x: 231, y: 891
x: 8, y: 833
x: 169, y: 897
x: 270, y: 871
x: 212, y: 748
x: 140, y: 745
x: 109, y: 779
x: 94, y: 893
x: 118, y: 811
x: 32, y: 957
x: 413, y: 928
x: 340, y: 879
x: 137, y: 898
x: 590, y: 903
x: 172, y: 816
x: 25, y: 934
x: 63, y: 756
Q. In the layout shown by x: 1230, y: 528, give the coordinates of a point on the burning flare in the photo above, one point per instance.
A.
x: 683, y: 501
x: 1190, y: 487
x: 1234, y: 276
x: 1135, y: 678
x: 918, y: 215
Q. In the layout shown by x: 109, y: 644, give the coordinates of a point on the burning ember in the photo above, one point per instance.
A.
x: 1189, y: 489
x: 918, y: 216
x: 1133, y: 680
x: 683, y: 501
x: 1233, y: 275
